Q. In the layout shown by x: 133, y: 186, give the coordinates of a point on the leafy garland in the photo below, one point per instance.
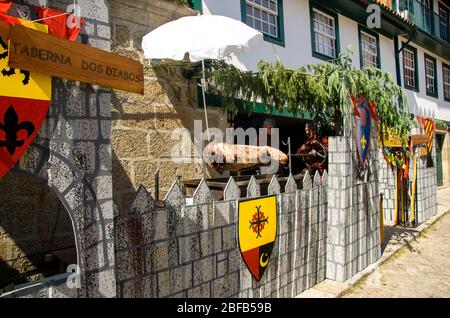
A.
x: 324, y: 90
x: 440, y: 124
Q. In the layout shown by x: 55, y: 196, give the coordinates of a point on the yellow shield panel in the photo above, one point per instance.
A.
x: 257, y: 222
x: 17, y: 83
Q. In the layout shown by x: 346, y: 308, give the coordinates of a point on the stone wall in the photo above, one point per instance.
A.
x: 353, y: 209
x: 387, y: 189
x: 426, y: 190
x: 192, y: 251
x: 72, y: 154
x: 426, y: 200
x: 143, y: 125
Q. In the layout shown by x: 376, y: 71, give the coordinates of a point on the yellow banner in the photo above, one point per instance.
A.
x: 257, y: 222
x: 391, y: 139
x: 17, y: 83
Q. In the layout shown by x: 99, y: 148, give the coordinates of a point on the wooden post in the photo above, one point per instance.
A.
x: 157, y: 186
x: 413, y: 194
x: 381, y: 219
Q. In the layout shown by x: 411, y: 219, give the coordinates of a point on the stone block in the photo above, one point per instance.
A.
x: 104, y: 31
x: 130, y: 264
x: 225, y: 287
x: 229, y: 237
x: 101, y: 285
x: 189, y: 248
x: 129, y: 144
x: 103, y: 187
x: 203, y: 291
x: 83, y: 156
x: 83, y: 129
x: 204, y: 270
x: 161, y: 256
x: 174, y: 281
x: 162, y: 225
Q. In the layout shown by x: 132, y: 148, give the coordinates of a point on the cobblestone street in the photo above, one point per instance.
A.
x: 420, y: 270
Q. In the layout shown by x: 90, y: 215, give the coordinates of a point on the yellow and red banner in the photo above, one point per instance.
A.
x: 430, y: 128
x: 24, y: 101
x: 257, y: 222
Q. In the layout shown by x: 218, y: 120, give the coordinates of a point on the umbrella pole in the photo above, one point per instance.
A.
x: 204, y: 99
x: 206, y: 114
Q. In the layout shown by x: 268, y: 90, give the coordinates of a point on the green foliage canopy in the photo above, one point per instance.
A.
x: 324, y: 90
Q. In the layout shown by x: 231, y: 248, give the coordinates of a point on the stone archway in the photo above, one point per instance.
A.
x: 37, y: 236
x: 92, y: 231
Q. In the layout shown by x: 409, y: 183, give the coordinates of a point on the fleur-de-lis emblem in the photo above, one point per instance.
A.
x: 12, y: 127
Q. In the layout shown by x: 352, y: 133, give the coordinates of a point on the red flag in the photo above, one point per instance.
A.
x: 20, y: 122
x: 373, y: 110
x: 10, y: 20
x: 355, y: 100
x: 5, y: 5
x: 57, y: 22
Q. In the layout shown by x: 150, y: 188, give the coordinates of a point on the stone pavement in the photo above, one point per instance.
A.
x: 415, y: 263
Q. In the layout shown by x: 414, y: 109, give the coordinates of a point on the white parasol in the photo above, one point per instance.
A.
x: 202, y: 37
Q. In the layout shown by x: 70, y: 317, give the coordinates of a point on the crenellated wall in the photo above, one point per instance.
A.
x: 180, y: 250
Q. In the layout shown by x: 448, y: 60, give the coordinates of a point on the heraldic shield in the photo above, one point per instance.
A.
x: 20, y: 121
x: 257, y: 219
x: 24, y: 102
x: 362, y: 129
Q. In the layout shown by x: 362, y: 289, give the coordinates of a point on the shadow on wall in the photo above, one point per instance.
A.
x: 143, y: 133
x: 36, y: 234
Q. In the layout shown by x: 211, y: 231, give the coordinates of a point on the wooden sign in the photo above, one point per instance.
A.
x: 39, y: 52
x: 419, y: 140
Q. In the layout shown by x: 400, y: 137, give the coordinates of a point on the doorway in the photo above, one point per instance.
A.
x: 440, y: 138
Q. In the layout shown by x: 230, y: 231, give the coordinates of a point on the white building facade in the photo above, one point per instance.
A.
x: 408, y: 38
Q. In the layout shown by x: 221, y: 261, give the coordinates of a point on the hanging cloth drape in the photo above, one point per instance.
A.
x: 57, y: 23
x: 5, y: 6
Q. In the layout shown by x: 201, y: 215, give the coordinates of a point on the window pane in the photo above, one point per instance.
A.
x: 249, y: 10
x: 258, y: 24
x: 325, y: 34
x: 369, y: 50
x: 447, y: 82
x: 265, y: 17
x: 262, y: 15
x: 409, y: 66
x: 273, y: 6
x: 257, y: 13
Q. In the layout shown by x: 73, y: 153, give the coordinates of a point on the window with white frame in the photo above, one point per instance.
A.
x: 262, y: 15
x: 409, y: 68
x: 430, y: 75
x: 369, y: 50
x: 324, y: 34
x: 446, y: 74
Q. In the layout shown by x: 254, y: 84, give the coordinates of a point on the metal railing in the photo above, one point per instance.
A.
x: 424, y: 18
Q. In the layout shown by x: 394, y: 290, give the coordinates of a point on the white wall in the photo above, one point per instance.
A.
x: 298, y: 51
x: 419, y: 102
